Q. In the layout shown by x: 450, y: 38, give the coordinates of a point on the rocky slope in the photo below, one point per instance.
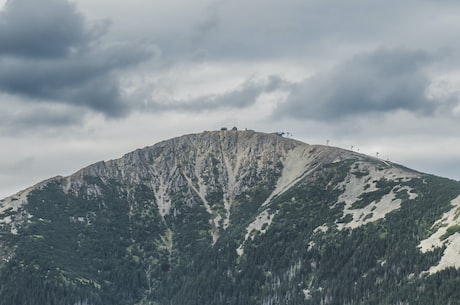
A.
x: 233, y: 217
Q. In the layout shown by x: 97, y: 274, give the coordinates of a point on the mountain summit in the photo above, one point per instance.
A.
x: 233, y: 217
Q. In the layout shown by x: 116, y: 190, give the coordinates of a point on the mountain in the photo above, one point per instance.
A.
x: 233, y: 217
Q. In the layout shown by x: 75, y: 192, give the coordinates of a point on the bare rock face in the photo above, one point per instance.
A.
x: 213, y: 167
x: 219, y: 166
x: 250, y: 203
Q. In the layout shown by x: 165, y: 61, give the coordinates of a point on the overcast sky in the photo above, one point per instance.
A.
x: 89, y: 80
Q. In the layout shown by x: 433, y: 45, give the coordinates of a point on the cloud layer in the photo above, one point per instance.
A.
x: 54, y: 55
x: 377, y: 82
x: 51, y: 54
x: 42, y: 29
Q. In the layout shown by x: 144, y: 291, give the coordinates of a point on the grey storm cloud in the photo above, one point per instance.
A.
x: 48, y: 52
x: 381, y: 81
x: 43, y: 28
x: 269, y: 28
x: 241, y: 97
x: 376, y: 82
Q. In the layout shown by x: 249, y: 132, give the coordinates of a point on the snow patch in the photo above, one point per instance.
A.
x: 451, y: 256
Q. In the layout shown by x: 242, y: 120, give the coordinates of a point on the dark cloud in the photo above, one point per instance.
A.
x: 48, y: 53
x: 313, y: 30
x: 382, y: 81
x: 268, y: 29
x: 243, y: 96
x: 43, y: 28
x: 86, y: 80
x: 377, y: 82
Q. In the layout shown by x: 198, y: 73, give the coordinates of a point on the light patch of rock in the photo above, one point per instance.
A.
x: 323, y: 228
x: 202, y: 194
x: 231, y: 181
x: 355, y: 185
x: 451, y: 255
x: 296, y: 165
x: 260, y: 224
x: 374, y: 211
x: 363, y: 178
x: 16, y: 203
x: 162, y: 199
x: 307, y: 294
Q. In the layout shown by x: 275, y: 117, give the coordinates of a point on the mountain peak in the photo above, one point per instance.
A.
x: 241, y: 208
